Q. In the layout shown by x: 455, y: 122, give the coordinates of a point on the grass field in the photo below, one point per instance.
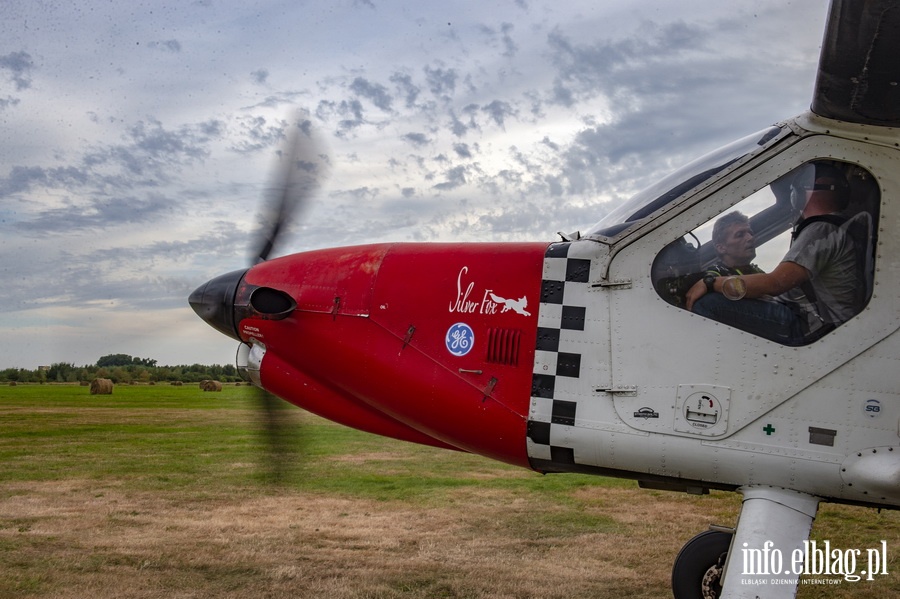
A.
x: 163, y: 492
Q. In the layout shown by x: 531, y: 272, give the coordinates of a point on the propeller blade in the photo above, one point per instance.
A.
x: 276, y: 424
x: 301, y: 167
x: 280, y: 435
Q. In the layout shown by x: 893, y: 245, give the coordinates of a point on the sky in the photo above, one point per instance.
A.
x: 139, y: 138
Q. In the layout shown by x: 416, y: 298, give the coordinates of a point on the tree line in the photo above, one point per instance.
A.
x: 121, y: 369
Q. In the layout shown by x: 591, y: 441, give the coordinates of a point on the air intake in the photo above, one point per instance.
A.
x: 503, y: 346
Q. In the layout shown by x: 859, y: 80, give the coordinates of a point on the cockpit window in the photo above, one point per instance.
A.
x: 814, y: 226
x: 675, y: 185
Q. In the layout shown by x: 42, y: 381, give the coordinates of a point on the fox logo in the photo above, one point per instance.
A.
x: 516, y: 305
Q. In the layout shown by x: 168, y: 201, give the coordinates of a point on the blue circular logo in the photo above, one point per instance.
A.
x: 460, y: 339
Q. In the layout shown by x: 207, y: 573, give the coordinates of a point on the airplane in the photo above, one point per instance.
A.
x: 580, y: 355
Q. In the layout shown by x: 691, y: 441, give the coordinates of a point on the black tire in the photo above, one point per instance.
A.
x: 696, y: 557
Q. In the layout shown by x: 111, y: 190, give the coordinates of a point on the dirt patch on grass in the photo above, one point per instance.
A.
x: 78, y: 538
x: 118, y: 415
x: 74, y: 539
x: 366, y: 457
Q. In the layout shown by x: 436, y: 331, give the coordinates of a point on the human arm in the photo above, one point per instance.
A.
x: 786, y: 276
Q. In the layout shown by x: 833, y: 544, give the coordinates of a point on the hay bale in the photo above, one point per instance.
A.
x: 210, y: 386
x: 177, y: 383
x: 101, y: 387
x: 13, y: 383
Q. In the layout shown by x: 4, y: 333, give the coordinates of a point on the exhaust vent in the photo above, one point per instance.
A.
x: 503, y: 346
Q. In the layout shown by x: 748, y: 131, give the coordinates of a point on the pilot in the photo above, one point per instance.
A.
x: 816, y: 285
x: 733, y: 240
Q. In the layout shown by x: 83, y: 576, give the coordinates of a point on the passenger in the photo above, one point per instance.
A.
x: 732, y: 238
x: 815, y: 287
x: 735, y: 246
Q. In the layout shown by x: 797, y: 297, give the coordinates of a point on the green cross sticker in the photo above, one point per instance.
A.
x: 769, y: 429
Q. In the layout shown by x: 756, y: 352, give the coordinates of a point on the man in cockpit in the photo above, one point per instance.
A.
x: 735, y: 246
x: 815, y: 288
x: 732, y: 237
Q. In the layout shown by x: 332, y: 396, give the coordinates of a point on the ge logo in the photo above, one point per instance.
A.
x: 460, y: 339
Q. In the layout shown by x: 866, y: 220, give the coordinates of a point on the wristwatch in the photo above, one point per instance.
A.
x: 709, y: 281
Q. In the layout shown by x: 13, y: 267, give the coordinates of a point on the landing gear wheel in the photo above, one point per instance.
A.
x: 697, y: 572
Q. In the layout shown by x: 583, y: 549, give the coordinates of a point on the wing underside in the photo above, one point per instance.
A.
x: 859, y: 67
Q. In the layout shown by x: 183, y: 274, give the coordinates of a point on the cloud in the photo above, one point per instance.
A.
x: 24, y: 178
x: 406, y: 88
x: 148, y: 156
x: 374, y: 92
x: 441, y: 82
x: 172, y: 45
x: 499, y: 111
x: 610, y: 67
x: 510, y: 48
x: 359, y: 194
x: 462, y: 150
x: 260, y: 75
x: 8, y: 101
x: 187, y: 143
x: 98, y: 213
x: 255, y: 133
x: 18, y: 67
x: 108, y: 187
x: 348, y: 113
x: 416, y: 139
x: 454, y: 177
x: 457, y: 127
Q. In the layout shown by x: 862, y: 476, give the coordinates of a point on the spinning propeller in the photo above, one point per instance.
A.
x: 301, y: 167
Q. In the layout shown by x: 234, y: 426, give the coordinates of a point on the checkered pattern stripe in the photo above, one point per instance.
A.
x: 561, y: 325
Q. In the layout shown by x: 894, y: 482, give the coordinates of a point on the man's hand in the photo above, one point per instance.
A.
x: 696, y: 291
